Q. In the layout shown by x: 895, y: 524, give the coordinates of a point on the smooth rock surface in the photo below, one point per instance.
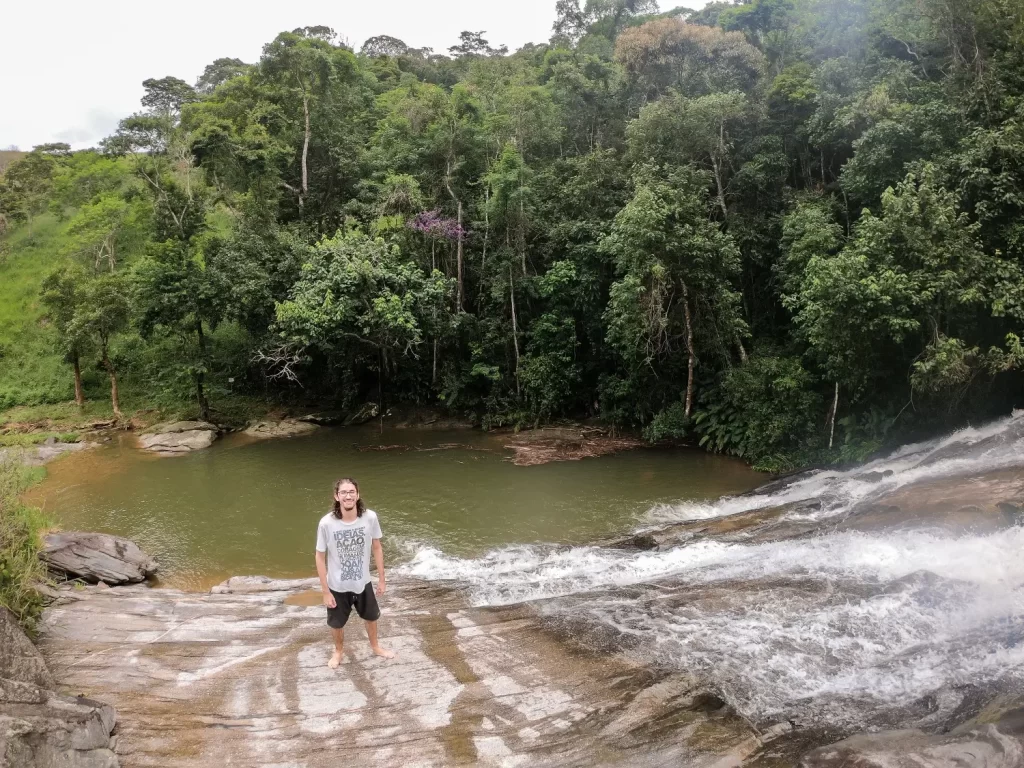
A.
x: 240, y: 678
x: 38, y: 455
x: 985, y: 747
x: 178, y: 437
x: 284, y: 428
x: 97, y: 557
x: 38, y: 727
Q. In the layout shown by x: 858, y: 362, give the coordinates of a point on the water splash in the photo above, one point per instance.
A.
x: 998, y: 445
x: 837, y: 627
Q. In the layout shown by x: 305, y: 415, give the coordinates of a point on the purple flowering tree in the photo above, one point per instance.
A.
x: 437, y: 227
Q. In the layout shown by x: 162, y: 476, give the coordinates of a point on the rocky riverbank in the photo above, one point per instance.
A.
x: 239, y: 677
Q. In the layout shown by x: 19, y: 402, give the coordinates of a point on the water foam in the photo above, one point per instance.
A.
x: 523, y: 573
x: 838, y: 491
x: 837, y: 627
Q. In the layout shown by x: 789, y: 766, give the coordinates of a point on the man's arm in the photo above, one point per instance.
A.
x: 378, y: 559
x: 321, y: 571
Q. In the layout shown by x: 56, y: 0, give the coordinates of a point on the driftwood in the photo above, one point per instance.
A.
x: 545, y: 446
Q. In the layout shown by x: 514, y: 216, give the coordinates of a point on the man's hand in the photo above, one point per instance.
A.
x: 382, y: 587
x: 329, y: 600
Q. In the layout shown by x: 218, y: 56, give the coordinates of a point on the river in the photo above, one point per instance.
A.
x: 247, y: 507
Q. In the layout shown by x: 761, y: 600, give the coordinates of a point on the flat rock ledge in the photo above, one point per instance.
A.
x: 239, y: 677
x: 97, y: 557
x: 44, y: 453
x: 179, y: 437
x: 283, y: 428
x: 40, y: 728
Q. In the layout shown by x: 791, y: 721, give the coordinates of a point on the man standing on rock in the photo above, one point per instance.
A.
x: 344, y: 540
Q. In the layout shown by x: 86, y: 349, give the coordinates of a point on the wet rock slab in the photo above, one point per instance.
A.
x: 97, y: 557
x: 239, y: 677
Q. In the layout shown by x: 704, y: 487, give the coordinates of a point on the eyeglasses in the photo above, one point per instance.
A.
x: 348, y: 493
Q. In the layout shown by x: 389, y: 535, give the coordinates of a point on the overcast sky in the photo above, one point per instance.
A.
x: 69, y: 70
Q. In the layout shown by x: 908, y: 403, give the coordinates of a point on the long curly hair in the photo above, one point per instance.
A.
x: 360, y: 506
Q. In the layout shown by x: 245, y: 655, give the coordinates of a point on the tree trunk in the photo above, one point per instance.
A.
x: 721, y: 189
x: 115, y: 397
x: 689, y: 348
x: 832, y: 418
x: 458, y: 205
x: 515, y: 329
x: 458, y: 268
x: 487, y: 232
x: 204, y: 405
x: 305, y: 151
x: 433, y: 268
x: 79, y: 391
x: 743, y: 350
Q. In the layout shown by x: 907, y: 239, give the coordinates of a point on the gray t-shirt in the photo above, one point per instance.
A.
x: 348, y: 550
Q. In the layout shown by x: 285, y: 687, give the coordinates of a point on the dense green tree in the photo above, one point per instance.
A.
x: 766, y: 225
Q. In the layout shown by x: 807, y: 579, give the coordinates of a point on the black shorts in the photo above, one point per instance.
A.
x: 365, y: 603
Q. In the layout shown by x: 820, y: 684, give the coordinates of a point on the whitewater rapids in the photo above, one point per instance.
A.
x: 836, y: 627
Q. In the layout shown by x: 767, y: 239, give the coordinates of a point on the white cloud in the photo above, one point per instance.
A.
x: 75, y: 81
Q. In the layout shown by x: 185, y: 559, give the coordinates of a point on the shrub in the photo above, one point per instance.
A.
x: 20, y: 566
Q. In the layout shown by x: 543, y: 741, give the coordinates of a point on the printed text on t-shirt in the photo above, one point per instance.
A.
x: 350, y: 546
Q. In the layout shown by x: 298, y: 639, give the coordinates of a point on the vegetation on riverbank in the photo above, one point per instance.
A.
x: 784, y: 229
x: 20, y: 526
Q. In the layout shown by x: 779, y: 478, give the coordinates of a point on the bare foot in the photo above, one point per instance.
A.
x: 383, y: 652
x: 335, y: 660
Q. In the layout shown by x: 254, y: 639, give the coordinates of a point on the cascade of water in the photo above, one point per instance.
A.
x: 839, y: 626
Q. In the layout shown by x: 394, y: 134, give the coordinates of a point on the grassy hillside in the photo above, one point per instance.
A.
x: 31, y: 371
x: 7, y: 157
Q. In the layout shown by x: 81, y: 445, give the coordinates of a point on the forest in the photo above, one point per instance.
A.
x: 788, y: 230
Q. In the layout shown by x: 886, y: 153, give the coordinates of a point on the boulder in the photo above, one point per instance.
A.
x: 19, y: 659
x: 984, y: 747
x: 283, y: 428
x: 38, y: 727
x: 178, y: 437
x: 364, y: 414
x: 97, y: 557
x: 324, y: 418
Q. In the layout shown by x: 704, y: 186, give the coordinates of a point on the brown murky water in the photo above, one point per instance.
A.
x: 246, y: 507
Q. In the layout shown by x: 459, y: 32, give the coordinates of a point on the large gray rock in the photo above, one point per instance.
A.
x: 19, y: 659
x: 38, y: 727
x: 178, y: 437
x: 284, y: 428
x: 97, y: 557
x: 984, y: 747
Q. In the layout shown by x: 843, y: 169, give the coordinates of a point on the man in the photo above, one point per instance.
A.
x: 344, y: 540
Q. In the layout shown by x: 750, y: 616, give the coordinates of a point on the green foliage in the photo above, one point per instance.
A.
x: 20, y: 567
x: 600, y: 226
